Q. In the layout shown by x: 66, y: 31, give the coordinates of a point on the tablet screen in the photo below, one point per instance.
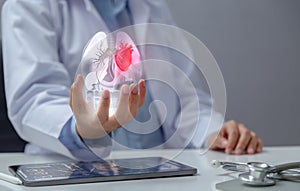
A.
x: 99, y: 171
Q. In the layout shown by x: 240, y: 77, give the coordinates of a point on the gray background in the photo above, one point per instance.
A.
x: 257, y: 46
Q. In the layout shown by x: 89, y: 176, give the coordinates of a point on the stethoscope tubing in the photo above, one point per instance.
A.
x: 286, y: 166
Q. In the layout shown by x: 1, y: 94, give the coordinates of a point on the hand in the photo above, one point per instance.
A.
x: 235, y: 137
x: 94, y: 123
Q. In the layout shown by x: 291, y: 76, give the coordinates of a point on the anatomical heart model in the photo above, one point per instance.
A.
x: 108, y: 62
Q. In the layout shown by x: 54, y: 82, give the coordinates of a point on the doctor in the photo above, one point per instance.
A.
x: 42, y: 47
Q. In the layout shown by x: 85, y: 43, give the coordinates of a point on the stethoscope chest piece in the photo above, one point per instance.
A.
x: 257, y: 175
x: 248, y: 179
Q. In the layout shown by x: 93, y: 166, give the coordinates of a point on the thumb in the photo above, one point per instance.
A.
x: 221, y: 142
x: 78, y: 101
x: 218, y: 141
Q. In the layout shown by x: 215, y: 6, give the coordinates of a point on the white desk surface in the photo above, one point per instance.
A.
x: 205, y: 180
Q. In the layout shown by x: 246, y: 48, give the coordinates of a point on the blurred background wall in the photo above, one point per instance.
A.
x: 257, y: 46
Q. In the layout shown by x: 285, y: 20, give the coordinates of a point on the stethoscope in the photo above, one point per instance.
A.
x: 261, y: 174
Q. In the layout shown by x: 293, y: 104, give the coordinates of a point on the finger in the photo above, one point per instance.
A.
x: 252, y: 146
x: 133, y: 100
x: 142, y: 92
x: 259, y: 146
x: 103, y: 109
x: 231, y: 129
x: 123, y: 106
x: 244, y: 138
x: 78, y: 102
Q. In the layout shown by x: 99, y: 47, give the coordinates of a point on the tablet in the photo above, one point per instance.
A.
x: 58, y: 173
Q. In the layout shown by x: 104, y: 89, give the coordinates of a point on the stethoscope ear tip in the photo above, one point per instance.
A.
x: 215, y: 163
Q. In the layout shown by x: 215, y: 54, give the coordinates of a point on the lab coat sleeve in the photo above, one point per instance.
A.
x: 36, y: 82
x: 81, y: 148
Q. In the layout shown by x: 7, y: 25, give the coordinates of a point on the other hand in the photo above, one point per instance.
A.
x: 235, y: 138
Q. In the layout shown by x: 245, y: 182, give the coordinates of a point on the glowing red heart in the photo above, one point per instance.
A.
x: 123, y: 56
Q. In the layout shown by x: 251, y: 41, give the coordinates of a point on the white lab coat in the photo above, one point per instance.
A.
x: 43, y: 42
